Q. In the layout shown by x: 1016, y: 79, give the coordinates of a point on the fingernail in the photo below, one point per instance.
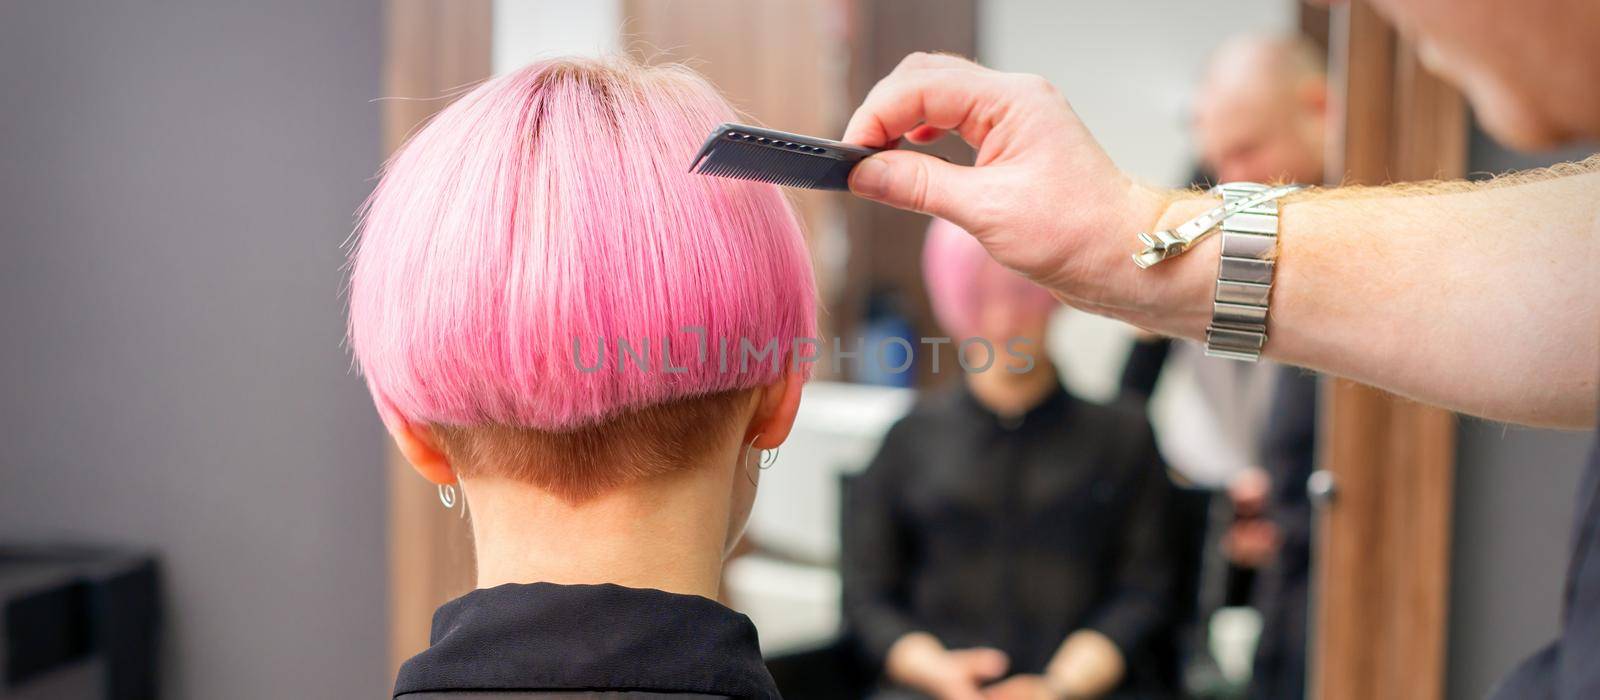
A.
x: 870, y: 179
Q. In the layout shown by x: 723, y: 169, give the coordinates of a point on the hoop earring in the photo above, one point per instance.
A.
x: 448, y: 496
x: 764, y: 460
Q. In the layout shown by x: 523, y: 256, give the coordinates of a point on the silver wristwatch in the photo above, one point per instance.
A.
x: 1248, y: 218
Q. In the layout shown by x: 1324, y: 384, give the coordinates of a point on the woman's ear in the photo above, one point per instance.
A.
x: 421, y: 449
x: 775, y: 411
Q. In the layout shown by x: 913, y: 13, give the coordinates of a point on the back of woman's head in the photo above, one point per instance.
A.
x: 540, y: 225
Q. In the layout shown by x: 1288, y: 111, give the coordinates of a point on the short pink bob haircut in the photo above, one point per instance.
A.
x: 549, y: 211
x: 962, y: 280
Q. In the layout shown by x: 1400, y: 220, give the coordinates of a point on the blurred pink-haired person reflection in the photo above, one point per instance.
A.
x: 973, y: 296
x: 1008, y: 537
x: 553, y: 317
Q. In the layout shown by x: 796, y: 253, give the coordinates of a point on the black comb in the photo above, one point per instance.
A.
x: 753, y: 153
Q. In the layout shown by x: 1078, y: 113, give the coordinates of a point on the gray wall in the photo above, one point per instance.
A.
x: 1515, y: 495
x: 176, y: 178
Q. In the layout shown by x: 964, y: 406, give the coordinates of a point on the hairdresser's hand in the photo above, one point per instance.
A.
x: 918, y: 660
x: 1042, y: 197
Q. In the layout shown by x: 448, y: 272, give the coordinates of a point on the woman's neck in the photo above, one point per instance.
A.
x: 666, y: 532
x: 1011, y: 394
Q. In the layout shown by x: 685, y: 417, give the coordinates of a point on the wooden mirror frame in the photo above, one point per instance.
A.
x: 1382, y: 578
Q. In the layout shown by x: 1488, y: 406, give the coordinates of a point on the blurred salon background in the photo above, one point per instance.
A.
x: 198, y: 501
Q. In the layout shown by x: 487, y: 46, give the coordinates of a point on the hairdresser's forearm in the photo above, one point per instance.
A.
x: 1485, y: 302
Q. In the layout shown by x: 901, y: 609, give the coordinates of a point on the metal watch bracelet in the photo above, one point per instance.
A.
x: 1248, y: 219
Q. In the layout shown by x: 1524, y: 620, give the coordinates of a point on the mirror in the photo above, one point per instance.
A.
x: 1234, y: 541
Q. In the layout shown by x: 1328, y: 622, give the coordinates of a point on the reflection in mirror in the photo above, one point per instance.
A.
x: 1126, y: 516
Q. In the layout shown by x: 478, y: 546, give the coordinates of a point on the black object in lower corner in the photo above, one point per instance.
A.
x: 78, y: 622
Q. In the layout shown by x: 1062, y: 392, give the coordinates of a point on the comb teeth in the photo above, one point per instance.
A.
x: 763, y: 155
x: 761, y: 163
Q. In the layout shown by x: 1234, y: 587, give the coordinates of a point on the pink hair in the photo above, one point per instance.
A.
x: 962, y: 279
x: 552, y: 206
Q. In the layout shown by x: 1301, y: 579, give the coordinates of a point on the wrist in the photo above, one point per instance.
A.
x: 1174, y: 298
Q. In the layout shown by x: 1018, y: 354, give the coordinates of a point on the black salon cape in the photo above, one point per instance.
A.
x: 545, y: 640
x: 1009, y: 532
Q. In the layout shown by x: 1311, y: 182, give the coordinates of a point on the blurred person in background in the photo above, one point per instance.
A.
x: 1008, y: 537
x: 1276, y: 537
x: 1421, y: 289
x: 1260, y: 115
x: 1261, y: 112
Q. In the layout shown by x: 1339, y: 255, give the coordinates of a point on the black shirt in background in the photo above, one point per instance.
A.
x: 1011, y: 533
x: 1143, y: 369
x: 1580, y: 634
x: 1282, y: 586
x: 1569, y: 668
x: 543, y: 640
